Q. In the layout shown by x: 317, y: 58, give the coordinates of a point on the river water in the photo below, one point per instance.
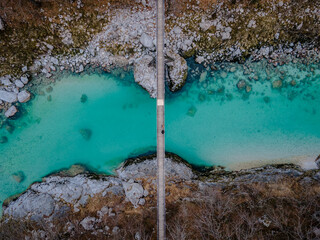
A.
x: 100, y: 120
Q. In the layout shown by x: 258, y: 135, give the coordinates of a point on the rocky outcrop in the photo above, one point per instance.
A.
x: 8, y: 96
x: 59, y: 194
x: 177, y: 71
x: 145, y: 74
x: 55, y: 195
x: 147, y: 167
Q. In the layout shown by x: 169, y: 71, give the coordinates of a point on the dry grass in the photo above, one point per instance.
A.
x: 282, y: 210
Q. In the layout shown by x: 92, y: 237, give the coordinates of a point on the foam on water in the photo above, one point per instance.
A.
x: 209, y: 122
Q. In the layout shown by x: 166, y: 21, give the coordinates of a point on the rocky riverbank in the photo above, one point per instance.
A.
x: 76, y: 203
x: 80, y: 35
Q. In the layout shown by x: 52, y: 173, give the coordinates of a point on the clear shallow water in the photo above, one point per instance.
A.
x: 209, y: 122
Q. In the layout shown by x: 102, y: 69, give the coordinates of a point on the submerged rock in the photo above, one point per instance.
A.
x: 19, y: 176
x: 177, y: 71
x: 86, y: 133
x: 49, y: 89
x: 266, y: 99
x: 241, y: 84
x: 192, y: 111
x: 83, y: 98
x: 9, y: 128
x: 11, y: 111
x: 277, y: 84
x: 3, y: 139
x: 145, y: 74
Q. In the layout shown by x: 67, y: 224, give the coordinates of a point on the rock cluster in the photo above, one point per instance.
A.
x: 58, y: 195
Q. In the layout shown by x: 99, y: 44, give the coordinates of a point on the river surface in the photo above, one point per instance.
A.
x: 100, y: 120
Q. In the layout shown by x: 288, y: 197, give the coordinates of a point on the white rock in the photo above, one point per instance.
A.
x: 225, y: 35
x: 205, y: 25
x: 24, y: 80
x: 24, y: 69
x: 81, y: 68
x: 24, y: 96
x: 145, y: 74
x: 133, y: 191
x: 148, y: 168
x: 252, y: 24
x: 199, y: 59
x: 19, y: 84
x: 11, y: 111
x: 146, y: 40
x: 6, y: 82
x: 88, y: 223
x: 300, y: 26
x: 177, y: 70
x: 8, y: 96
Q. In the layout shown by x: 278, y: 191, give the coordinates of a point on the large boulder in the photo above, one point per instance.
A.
x: 8, y: 96
x: 134, y: 191
x: 177, y: 70
x: 24, y: 96
x: 145, y: 74
x: 146, y: 40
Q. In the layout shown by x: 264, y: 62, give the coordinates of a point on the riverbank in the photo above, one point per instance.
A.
x: 77, y: 204
x: 78, y: 36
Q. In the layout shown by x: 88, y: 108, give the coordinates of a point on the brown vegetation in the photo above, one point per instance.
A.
x: 283, y: 210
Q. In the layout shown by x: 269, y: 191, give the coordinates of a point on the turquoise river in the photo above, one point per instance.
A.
x: 101, y: 119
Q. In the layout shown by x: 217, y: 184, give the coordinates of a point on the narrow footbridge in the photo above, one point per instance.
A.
x: 160, y: 121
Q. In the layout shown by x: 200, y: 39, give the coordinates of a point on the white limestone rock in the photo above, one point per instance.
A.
x: 205, y: 25
x: 24, y: 96
x: 145, y: 74
x: 88, y: 223
x: 31, y: 204
x: 134, y: 191
x: 5, y: 81
x: 252, y: 24
x: 24, y: 80
x: 8, y: 96
x: 177, y: 71
x: 19, y: 84
x: 148, y: 168
x: 11, y: 111
x: 146, y: 40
